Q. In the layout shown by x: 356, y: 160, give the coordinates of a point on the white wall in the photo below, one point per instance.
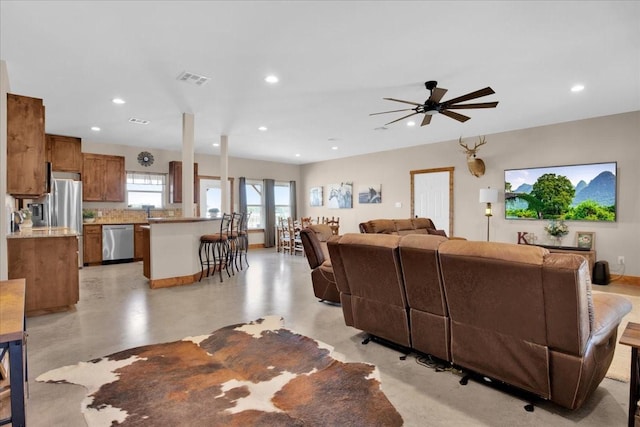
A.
x: 7, y: 201
x: 208, y: 165
x: 610, y: 138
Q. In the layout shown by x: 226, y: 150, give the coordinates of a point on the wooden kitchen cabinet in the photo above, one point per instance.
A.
x: 64, y: 153
x: 26, y: 166
x: 175, y: 182
x: 138, y: 242
x: 103, y: 178
x: 50, y: 267
x: 92, y: 244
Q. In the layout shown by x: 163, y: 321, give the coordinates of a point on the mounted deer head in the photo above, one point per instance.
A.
x: 476, y: 166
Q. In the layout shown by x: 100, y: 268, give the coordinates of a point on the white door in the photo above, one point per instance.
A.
x: 431, y: 197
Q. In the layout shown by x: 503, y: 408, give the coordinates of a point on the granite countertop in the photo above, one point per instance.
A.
x: 40, y: 232
x: 173, y: 220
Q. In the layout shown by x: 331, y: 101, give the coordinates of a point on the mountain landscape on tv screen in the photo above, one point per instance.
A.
x: 602, y: 190
x: 594, y: 200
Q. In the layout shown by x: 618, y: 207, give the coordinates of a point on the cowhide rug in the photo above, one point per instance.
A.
x: 242, y: 375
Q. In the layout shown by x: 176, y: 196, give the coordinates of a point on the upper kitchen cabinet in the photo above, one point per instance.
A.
x: 175, y: 182
x: 64, y: 153
x: 26, y: 168
x: 103, y: 178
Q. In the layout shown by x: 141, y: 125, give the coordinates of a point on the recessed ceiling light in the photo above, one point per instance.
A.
x: 297, y: 154
x: 577, y: 88
x: 271, y: 79
x: 262, y: 128
x: 334, y: 147
x: 95, y: 128
x: 118, y: 101
x: 411, y: 123
x: 215, y: 144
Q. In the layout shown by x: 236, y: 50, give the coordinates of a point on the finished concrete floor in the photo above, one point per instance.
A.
x: 117, y: 310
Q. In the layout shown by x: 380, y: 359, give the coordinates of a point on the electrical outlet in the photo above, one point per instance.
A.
x: 620, y: 260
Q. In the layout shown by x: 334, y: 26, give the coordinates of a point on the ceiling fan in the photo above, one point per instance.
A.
x: 433, y: 105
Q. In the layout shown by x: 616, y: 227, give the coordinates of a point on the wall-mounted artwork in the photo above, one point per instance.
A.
x: 340, y: 195
x: 570, y: 193
x: 315, y: 196
x: 370, y: 194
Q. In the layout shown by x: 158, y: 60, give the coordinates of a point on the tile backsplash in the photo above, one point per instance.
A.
x: 111, y: 216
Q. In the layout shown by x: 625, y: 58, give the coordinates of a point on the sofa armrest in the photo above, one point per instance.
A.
x: 608, y: 312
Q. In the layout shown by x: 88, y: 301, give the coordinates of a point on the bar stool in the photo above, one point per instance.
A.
x: 232, y: 236
x: 243, y: 239
x: 210, y: 244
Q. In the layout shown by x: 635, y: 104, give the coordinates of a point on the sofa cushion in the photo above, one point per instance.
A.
x: 422, y: 223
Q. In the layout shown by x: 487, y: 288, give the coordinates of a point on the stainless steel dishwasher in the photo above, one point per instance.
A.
x: 117, y: 242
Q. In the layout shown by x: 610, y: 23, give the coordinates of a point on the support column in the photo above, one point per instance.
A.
x: 224, y: 175
x: 188, y: 133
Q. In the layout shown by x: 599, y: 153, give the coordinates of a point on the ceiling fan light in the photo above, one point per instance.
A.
x: 431, y: 112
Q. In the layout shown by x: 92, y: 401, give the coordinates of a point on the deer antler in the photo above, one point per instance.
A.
x: 481, y: 141
x: 472, y: 151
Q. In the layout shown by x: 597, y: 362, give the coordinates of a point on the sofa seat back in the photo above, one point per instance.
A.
x: 370, y: 280
x: 496, y: 304
x: 428, y: 313
x: 397, y: 226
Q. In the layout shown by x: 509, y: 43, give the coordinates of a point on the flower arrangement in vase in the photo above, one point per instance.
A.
x: 557, y: 230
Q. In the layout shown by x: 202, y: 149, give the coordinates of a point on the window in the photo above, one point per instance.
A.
x: 281, y: 196
x: 146, y: 189
x: 255, y: 203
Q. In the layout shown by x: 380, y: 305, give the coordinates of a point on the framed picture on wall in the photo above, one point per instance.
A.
x: 370, y: 193
x: 315, y: 196
x: 340, y: 195
x: 586, y: 239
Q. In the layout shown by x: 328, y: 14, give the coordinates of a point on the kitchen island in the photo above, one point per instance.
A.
x: 171, y: 246
x: 47, y: 258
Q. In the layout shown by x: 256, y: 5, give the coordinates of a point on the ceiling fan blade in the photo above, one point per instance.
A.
x: 455, y: 116
x: 437, y: 94
x: 400, y: 100
x: 477, y: 94
x: 426, y: 120
x: 397, y: 120
x: 479, y: 105
x: 392, y: 111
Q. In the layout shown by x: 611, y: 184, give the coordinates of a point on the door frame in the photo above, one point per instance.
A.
x: 450, y: 169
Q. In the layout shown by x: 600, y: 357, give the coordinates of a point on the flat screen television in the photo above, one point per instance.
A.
x: 585, y: 192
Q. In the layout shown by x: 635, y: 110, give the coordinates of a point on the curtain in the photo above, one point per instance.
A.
x: 242, y: 195
x: 293, y: 205
x: 269, y: 213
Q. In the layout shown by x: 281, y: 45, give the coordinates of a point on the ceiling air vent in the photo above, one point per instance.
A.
x: 139, y: 121
x: 193, y: 78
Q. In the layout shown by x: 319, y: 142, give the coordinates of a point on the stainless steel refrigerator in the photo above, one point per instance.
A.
x: 61, y: 208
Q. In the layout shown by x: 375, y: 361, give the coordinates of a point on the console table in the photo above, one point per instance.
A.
x: 631, y: 337
x: 12, y: 340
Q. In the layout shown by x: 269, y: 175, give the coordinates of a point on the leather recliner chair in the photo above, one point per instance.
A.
x: 322, y: 277
x: 525, y: 316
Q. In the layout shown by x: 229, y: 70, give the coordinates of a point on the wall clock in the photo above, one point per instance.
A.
x: 145, y: 158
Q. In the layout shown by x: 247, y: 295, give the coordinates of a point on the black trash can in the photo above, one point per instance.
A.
x: 601, y: 273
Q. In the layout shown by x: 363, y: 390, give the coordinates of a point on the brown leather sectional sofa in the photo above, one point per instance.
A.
x: 514, y: 313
